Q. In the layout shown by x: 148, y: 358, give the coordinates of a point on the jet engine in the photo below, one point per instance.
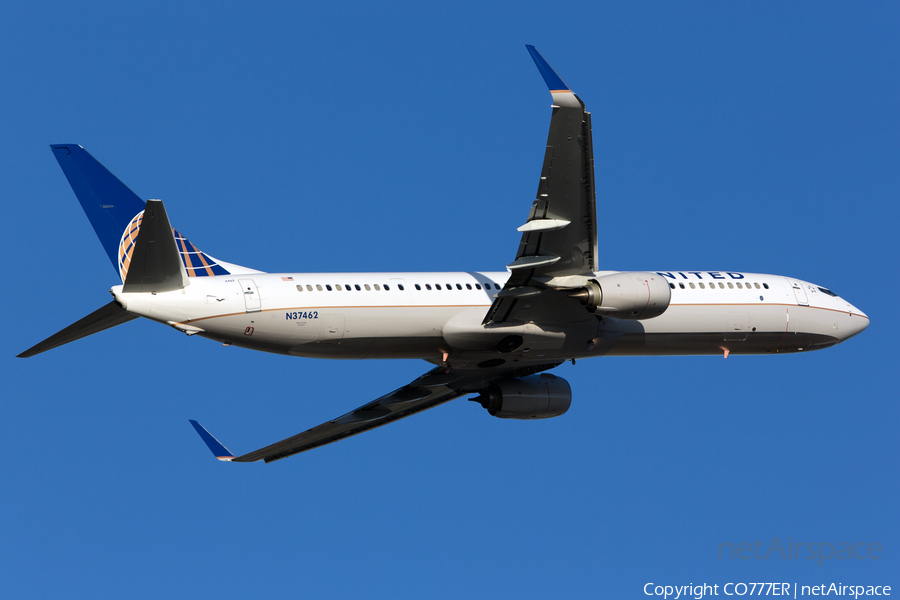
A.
x: 534, y: 397
x: 630, y: 295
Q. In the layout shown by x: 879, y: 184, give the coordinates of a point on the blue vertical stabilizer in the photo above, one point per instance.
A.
x: 107, y: 202
x: 115, y: 212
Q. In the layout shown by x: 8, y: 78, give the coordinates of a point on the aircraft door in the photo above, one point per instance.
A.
x: 799, y: 292
x: 251, y: 295
x: 402, y: 295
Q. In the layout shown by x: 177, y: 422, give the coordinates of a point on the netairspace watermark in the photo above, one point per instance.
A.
x: 764, y: 589
x: 817, y: 551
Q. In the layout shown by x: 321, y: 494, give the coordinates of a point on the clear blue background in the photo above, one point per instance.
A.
x: 757, y: 137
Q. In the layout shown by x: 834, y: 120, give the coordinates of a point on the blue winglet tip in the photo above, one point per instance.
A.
x: 551, y: 78
x: 215, y: 446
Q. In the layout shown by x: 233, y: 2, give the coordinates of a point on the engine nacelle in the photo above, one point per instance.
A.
x: 630, y: 295
x: 534, y: 397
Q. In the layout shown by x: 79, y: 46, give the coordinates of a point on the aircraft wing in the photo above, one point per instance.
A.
x: 431, y: 389
x: 560, y: 237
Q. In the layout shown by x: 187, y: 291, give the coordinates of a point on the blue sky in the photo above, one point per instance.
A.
x: 405, y: 137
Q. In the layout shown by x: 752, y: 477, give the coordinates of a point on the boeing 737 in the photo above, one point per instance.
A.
x: 490, y: 334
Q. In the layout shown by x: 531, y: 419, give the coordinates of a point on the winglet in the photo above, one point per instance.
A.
x: 218, y: 450
x: 561, y: 92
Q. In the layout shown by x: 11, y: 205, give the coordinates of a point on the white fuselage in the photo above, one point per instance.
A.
x: 437, y: 316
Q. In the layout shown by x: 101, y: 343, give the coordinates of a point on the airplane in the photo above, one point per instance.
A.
x: 492, y: 335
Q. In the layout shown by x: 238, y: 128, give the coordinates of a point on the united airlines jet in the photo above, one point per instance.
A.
x: 493, y: 335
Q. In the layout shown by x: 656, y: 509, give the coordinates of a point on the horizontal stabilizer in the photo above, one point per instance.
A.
x: 218, y: 450
x: 109, y: 316
x: 155, y: 264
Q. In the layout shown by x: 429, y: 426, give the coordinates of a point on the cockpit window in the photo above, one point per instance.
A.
x: 829, y: 292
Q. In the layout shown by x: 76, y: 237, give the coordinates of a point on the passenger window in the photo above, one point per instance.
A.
x: 368, y: 289
x: 692, y: 286
x: 327, y: 287
x: 377, y: 288
x: 308, y: 287
x: 318, y: 287
x: 299, y: 288
x: 721, y: 285
x: 757, y: 285
x: 349, y: 287
x: 497, y: 285
x: 338, y: 287
x: 681, y: 285
x: 702, y: 287
x: 418, y: 287
x: 766, y: 285
x: 458, y: 286
x: 730, y: 287
x: 357, y: 287
x: 387, y: 288
x: 427, y: 286
x: 477, y: 286
x: 672, y: 285
x: 468, y: 286
x: 437, y: 285
x: 449, y: 286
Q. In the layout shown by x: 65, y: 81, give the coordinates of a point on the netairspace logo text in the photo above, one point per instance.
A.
x: 764, y: 589
x: 818, y: 551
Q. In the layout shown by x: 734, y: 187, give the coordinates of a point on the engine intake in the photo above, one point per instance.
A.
x: 535, y: 397
x: 630, y: 295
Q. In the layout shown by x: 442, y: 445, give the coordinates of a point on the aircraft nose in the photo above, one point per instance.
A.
x: 856, y: 322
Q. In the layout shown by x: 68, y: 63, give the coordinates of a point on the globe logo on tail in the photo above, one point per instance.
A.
x: 126, y: 245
